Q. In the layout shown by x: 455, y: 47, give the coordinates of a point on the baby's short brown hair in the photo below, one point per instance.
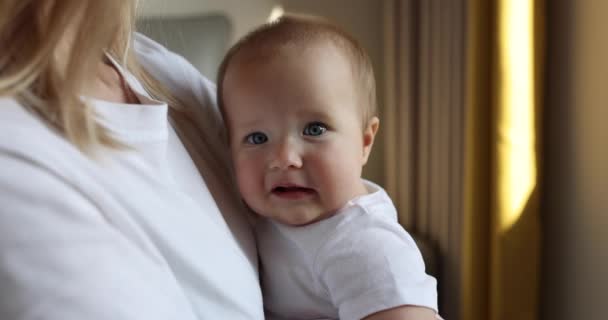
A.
x: 301, y: 31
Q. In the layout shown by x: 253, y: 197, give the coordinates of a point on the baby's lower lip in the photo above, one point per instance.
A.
x: 293, y: 193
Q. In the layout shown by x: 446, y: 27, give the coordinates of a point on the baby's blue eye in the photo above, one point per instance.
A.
x: 256, y: 138
x: 315, y: 129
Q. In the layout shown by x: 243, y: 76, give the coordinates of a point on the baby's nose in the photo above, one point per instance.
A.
x: 286, y: 156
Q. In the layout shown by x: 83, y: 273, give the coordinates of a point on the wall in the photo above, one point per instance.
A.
x: 202, y: 40
x: 242, y: 14
x: 363, y: 20
x: 575, y: 204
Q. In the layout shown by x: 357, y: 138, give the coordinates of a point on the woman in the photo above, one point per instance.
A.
x: 115, y: 201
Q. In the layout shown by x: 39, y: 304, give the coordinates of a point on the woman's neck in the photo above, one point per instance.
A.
x: 110, y: 85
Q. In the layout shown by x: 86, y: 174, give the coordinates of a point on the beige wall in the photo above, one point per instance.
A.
x: 363, y: 20
x: 243, y: 15
x: 575, y: 206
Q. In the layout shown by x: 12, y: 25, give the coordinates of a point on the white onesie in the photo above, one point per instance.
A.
x: 358, y: 262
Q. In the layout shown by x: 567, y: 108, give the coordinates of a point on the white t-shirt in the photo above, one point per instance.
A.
x: 355, y: 263
x: 133, y: 234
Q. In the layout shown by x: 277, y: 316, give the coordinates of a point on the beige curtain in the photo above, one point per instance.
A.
x: 461, y: 123
x: 501, y: 233
x: 423, y: 127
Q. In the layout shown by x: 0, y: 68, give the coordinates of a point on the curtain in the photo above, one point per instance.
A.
x: 461, y: 121
x: 505, y: 47
x: 422, y: 119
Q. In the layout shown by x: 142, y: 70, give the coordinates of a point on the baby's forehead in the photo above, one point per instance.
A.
x: 265, y: 51
x: 319, y: 66
x: 250, y: 62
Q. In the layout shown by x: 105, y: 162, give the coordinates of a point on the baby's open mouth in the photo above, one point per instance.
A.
x: 292, y: 191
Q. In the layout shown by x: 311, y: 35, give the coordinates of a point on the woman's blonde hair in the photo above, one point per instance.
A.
x: 47, y: 78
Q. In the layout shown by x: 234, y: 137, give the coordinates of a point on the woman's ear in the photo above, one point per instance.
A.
x: 369, y: 133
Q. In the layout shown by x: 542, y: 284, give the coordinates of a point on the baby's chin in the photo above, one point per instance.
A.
x: 298, y: 219
x: 292, y: 221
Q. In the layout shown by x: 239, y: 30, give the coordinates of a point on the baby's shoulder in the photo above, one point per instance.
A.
x: 361, y: 232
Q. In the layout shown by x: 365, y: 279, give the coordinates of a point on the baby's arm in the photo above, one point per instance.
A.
x: 404, y: 313
x: 374, y: 270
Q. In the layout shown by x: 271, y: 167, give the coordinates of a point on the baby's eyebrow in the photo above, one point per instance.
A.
x: 316, y: 114
x: 245, y: 124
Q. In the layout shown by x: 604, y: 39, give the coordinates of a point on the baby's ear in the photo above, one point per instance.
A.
x: 369, y: 133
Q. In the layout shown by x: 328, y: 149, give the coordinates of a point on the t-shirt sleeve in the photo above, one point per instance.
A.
x: 61, y: 259
x: 373, y: 269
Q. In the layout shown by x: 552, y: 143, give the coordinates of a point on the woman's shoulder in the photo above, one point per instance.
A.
x: 19, y: 126
x: 174, y: 72
x: 13, y: 116
x: 27, y: 139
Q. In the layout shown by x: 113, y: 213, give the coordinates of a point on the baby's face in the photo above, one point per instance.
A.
x: 296, y: 137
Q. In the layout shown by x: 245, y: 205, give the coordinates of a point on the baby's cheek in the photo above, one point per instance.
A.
x: 336, y: 162
x: 247, y: 180
x: 330, y: 172
x: 342, y: 172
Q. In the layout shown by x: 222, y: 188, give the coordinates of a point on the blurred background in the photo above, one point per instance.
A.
x: 493, y: 140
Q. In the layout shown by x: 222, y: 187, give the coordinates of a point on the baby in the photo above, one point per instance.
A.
x: 298, y: 100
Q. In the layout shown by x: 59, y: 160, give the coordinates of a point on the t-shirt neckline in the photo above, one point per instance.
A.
x: 132, y: 123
